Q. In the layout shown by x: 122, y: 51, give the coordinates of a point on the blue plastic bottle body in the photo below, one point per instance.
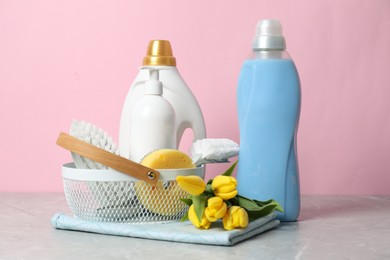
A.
x: 268, y: 98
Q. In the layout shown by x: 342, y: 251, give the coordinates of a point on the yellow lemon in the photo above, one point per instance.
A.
x: 163, y: 198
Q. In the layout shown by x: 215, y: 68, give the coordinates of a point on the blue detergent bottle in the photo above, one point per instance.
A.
x: 268, y: 103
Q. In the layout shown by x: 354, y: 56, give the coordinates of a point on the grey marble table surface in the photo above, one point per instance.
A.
x: 329, y: 227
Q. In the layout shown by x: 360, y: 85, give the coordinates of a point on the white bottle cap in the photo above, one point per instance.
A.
x: 269, y: 36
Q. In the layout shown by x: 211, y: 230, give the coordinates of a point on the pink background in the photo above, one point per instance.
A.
x: 64, y: 60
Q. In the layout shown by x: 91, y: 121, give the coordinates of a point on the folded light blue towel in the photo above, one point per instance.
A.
x: 175, y: 231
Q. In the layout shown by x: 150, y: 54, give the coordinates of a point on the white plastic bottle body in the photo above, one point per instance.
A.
x: 176, y: 92
x: 151, y: 127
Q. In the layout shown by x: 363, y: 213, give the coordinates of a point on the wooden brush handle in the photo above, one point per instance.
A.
x: 111, y: 160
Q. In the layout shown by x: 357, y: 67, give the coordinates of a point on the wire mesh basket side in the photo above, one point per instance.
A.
x: 125, y: 201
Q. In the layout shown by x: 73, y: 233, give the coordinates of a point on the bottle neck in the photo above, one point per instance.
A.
x: 269, y: 54
x: 153, y: 87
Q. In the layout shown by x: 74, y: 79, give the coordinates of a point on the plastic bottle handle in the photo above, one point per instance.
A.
x: 111, y: 160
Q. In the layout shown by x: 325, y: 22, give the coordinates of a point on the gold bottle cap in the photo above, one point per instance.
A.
x: 159, y: 53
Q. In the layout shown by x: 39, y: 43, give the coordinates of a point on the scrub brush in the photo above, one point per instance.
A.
x: 91, y: 134
x: 210, y: 150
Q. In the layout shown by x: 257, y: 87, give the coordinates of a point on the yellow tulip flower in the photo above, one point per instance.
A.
x: 236, y: 217
x: 192, y: 184
x: 205, y: 223
x: 224, y: 187
x: 216, y: 209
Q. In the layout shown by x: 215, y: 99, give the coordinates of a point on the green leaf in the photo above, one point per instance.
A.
x: 199, y: 205
x: 185, y: 217
x: 187, y: 201
x: 228, y: 203
x: 256, y: 208
x: 278, y: 207
x: 264, y: 211
x: 229, y: 171
x: 247, y: 203
x: 233, y: 201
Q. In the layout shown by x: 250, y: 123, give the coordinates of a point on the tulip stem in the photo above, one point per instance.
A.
x: 209, y: 189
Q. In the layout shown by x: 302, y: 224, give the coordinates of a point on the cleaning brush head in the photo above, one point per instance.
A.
x: 91, y: 134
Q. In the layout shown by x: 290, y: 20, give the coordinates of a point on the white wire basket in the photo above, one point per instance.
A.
x: 111, y: 196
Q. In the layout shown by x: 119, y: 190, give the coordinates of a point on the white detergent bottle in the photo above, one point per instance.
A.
x: 152, y: 121
x: 188, y: 113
